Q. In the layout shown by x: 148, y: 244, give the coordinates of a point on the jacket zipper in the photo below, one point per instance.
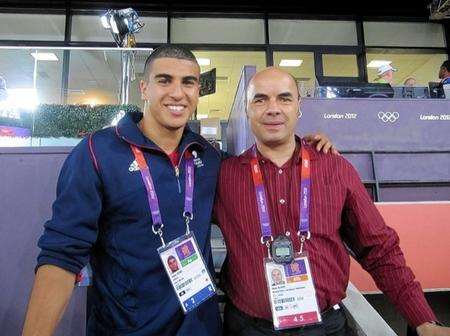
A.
x: 177, y: 167
x: 177, y: 175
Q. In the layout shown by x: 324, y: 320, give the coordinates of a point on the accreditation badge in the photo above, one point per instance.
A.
x: 187, y: 271
x: 291, y: 293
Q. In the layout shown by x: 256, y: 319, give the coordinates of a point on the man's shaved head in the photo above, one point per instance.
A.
x: 273, y: 70
x: 273, y: 106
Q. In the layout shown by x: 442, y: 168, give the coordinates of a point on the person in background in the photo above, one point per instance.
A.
x: 385, y: 74
x: 410, y: 82
x: 444, y: 72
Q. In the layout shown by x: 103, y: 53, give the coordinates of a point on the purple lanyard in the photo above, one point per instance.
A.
x: 304, y: 201
x: 153, y: 198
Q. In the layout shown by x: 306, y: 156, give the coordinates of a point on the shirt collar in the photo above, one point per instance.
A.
x: 127, y: 129
x: 246, y: 157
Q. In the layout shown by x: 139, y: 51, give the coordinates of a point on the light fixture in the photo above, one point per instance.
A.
x: 45, y: 56
x: 290, y: 62
x: 378, y: 63
x: 203, y: 61
x: 122, y: 23
x: 202, y: 116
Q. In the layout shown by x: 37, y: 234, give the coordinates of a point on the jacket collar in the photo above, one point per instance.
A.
x: 247, y: 156
x: 127, y: 129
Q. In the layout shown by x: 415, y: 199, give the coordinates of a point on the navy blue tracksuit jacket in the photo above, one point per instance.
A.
x: 101, y: 214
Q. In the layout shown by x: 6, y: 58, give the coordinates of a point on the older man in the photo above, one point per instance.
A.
x: 295, y: 205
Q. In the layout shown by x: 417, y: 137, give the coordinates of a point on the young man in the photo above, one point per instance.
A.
x: 278, y: 179
x: 121, y: 195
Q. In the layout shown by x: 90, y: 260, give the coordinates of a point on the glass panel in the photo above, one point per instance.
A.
x: 228, y: 66
x: 88, y: 28
x: 339, y: 65
x: 423, y: 67
x: 94, y: 77
x: 304, y: 74
x: 313, y: 32
x: 217, y: 30
x: 31, y: 113
x: 28, y: 78
x: 404, y: 34
x: 32, y: 27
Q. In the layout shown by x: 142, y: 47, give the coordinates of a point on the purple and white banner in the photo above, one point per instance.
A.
x: 379, y: 124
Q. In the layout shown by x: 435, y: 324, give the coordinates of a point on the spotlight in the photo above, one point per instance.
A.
x: 123, y: 24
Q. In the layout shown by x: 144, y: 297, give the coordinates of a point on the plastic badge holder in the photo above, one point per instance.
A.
x: 292, y: 295
x: 187, y: 271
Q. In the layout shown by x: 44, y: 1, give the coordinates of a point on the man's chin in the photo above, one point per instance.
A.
x: 175, y: 126
x: 272, y: 140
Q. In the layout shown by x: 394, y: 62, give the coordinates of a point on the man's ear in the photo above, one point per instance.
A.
x: 143, y: 87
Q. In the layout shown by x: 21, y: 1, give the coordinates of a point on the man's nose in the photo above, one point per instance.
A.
x: 273, y: 108
x: 177, y: 91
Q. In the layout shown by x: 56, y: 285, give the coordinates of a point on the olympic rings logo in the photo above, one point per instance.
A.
x: 388, y: 116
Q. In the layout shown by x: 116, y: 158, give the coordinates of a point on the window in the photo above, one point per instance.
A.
x: 421, y: 65
x: 94, y: 77
x: 301, y: 67
x: 339, y: 65
x: 312, y: 32
x: 217, y: 30
x: 228, y: 66
x: 30, y: 77
x: 404, y: 34
x: 23, y: 27
x: 88, y: 28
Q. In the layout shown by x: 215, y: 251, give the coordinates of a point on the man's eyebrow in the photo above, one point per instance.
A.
x: 259, y: 96
x: 286, y: 95
x: 163, y: 75
x: 190, y: 78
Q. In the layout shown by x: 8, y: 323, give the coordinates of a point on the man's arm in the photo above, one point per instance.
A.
x: 66, y: 242
x: 51, y: 292
x: 376, y: 248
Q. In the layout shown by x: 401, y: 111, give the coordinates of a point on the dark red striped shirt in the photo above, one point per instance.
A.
x: 341, y: 211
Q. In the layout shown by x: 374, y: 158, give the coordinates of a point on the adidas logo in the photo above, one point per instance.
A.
x: 133, y: 166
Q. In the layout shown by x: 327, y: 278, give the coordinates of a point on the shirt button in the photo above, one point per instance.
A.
x: 280, y: 171
x: 282, y: 201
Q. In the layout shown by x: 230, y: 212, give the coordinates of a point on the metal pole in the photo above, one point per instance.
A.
x: 126, y: 76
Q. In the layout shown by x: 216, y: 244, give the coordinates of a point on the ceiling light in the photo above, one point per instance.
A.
x: 203, y: 61
x: 291, y: 63
x: 378, y: 63
x: 44, y: 56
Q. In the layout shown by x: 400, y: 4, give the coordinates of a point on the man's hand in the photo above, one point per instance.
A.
x: 430, y: 329
x: 321, y: 142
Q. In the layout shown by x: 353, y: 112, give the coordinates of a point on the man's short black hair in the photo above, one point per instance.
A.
x: 446, y: 65
x: 170, y: 51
